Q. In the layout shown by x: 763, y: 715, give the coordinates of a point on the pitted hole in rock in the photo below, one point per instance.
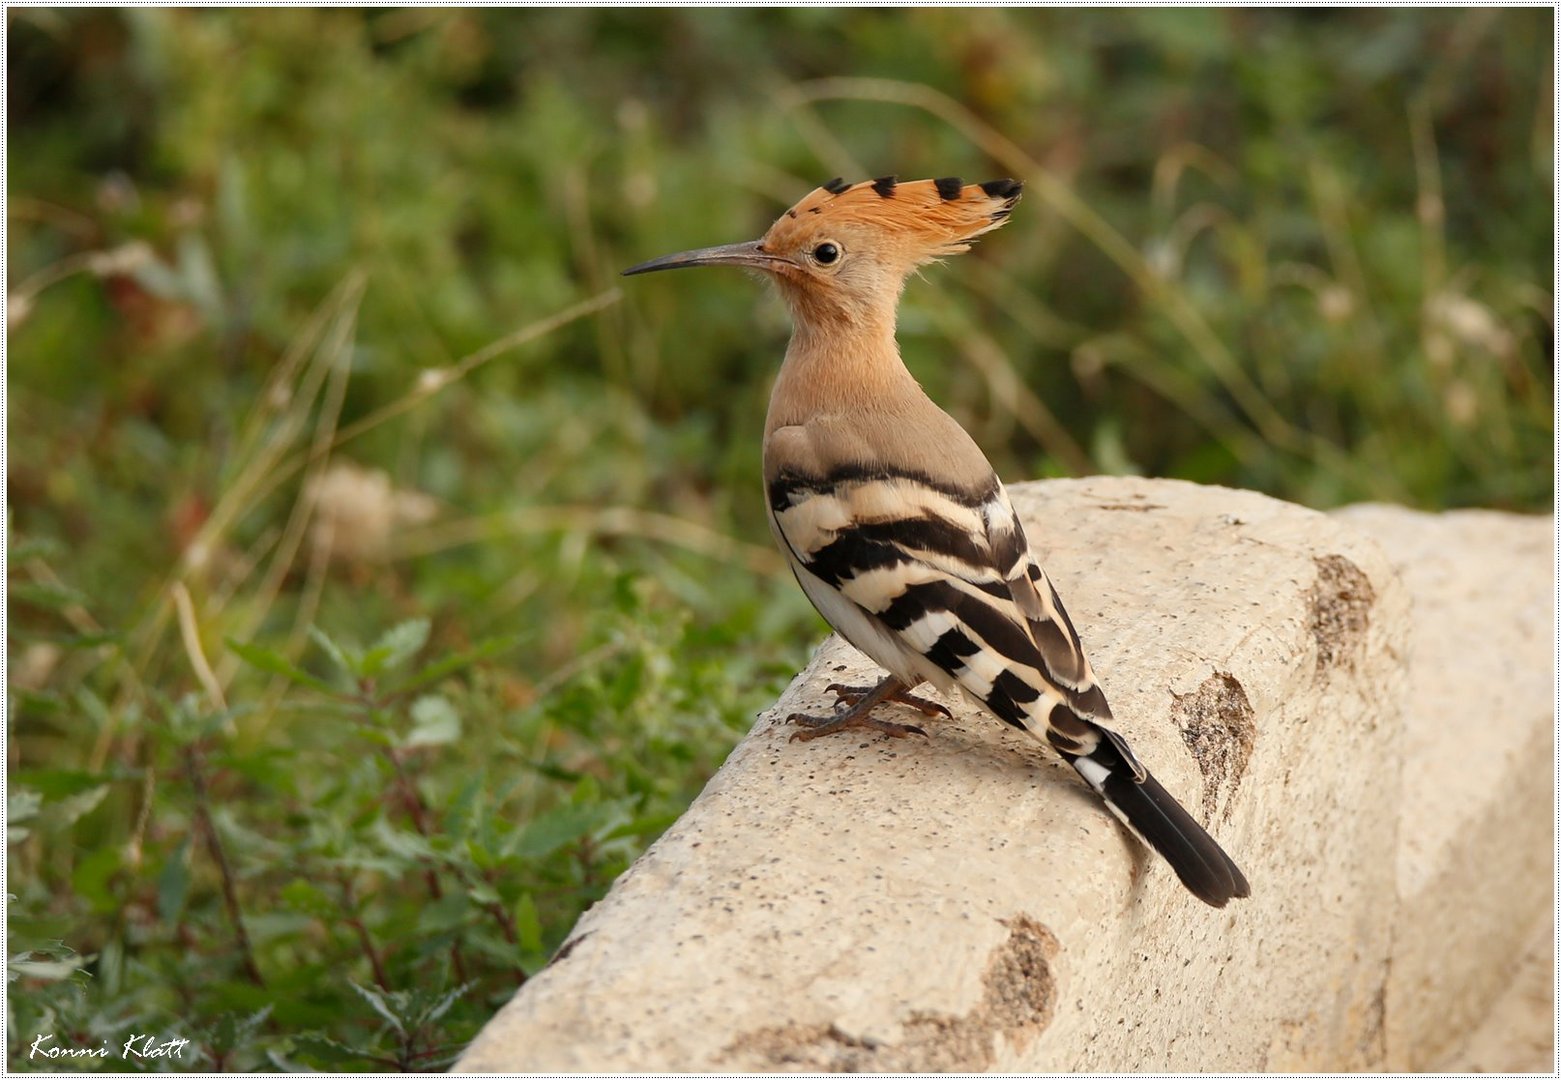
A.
x: 1018, y: 1002
x: 1339, y: 611
x: 1219, y: 726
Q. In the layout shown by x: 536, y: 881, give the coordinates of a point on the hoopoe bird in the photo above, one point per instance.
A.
x: 895, y: 524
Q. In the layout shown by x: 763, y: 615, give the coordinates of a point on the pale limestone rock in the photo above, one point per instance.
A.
x: 1518, y: 1034
x: 964, y: 903
x: 1476, y: 852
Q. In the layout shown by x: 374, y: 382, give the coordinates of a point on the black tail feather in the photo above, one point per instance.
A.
x: 1164, y: 825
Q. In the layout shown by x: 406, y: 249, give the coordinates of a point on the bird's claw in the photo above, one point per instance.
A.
x: 850, y: 695
x: 815, y: 726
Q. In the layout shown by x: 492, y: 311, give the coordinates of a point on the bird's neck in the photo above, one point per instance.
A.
x: 838, y: 368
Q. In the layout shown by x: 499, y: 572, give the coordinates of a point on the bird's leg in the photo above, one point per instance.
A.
x: 850, y: 695
x: 856, y: 716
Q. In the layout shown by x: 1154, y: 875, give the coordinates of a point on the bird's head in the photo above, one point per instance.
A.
x: 845, y: 250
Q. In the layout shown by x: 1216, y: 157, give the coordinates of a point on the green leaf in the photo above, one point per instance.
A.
x: 59, y: 783
x: 34, y: 547
x: 651, y: 825
x: 89, y: 640
x: 546, y: 834
x: 276, y: 664
x: 370, y: 863
x: 528, y: 924
x: 307, y: 897
x: 21, y: 804
x: 449, y: 912
x: 71, y: 809
x: 346, y: 663
x: 94, y: 707
x: 184, y: 718
x: 465, y: 810
x: 94, y: 875
x: 44, y: 594
x: 480, y: 854
x: 240, y: 839
x: 173, y: 884
x: 587, y: 791
x: 327, y: 1051
x: 382, y: 1003
x: 233, y: 1031
x: 440, y: 669
x: 45, y: 970
x: 111, y: 966
x: 407, y: 845
x: 626, y: 684
x: 31, y: 704
x: 434, y: 722
x: 395, y: 648
x: 432, y: 1008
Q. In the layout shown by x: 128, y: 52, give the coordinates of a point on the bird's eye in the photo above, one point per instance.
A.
x: 826, y: 253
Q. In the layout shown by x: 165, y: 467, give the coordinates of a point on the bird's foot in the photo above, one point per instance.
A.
x: 862, y: 701
x: 850, y: 695
x: 814, y: 726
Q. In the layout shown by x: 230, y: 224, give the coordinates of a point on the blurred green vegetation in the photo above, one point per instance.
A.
x: 373, y: 604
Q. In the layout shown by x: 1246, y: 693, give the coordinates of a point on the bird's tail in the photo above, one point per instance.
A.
x: 1151, y: 812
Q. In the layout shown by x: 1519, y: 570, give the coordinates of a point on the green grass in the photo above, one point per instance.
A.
x: 383, y: 579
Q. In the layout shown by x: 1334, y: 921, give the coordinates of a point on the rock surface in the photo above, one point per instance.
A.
x: 1476, y: 877
x: 963, y: 903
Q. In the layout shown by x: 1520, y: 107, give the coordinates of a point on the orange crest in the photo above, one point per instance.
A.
x: 925, y: 219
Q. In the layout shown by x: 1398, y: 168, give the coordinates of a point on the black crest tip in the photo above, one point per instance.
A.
x: 884, y: 185
x: 1003, y: 189
x: 949, y: 187
x: 835, y: 186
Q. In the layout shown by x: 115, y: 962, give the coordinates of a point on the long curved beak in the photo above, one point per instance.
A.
x: 750, y: 254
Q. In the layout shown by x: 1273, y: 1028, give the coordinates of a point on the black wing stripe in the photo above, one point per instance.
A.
x: 990, y: 625
x: 790, y: 481
x: 852, y: 554
x: 929, y: 534
x: 1008, y: 698
x: 951, y: 649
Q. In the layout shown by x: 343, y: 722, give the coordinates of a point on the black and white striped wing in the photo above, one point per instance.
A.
x: 936, y: 584
x: 943, y: 588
